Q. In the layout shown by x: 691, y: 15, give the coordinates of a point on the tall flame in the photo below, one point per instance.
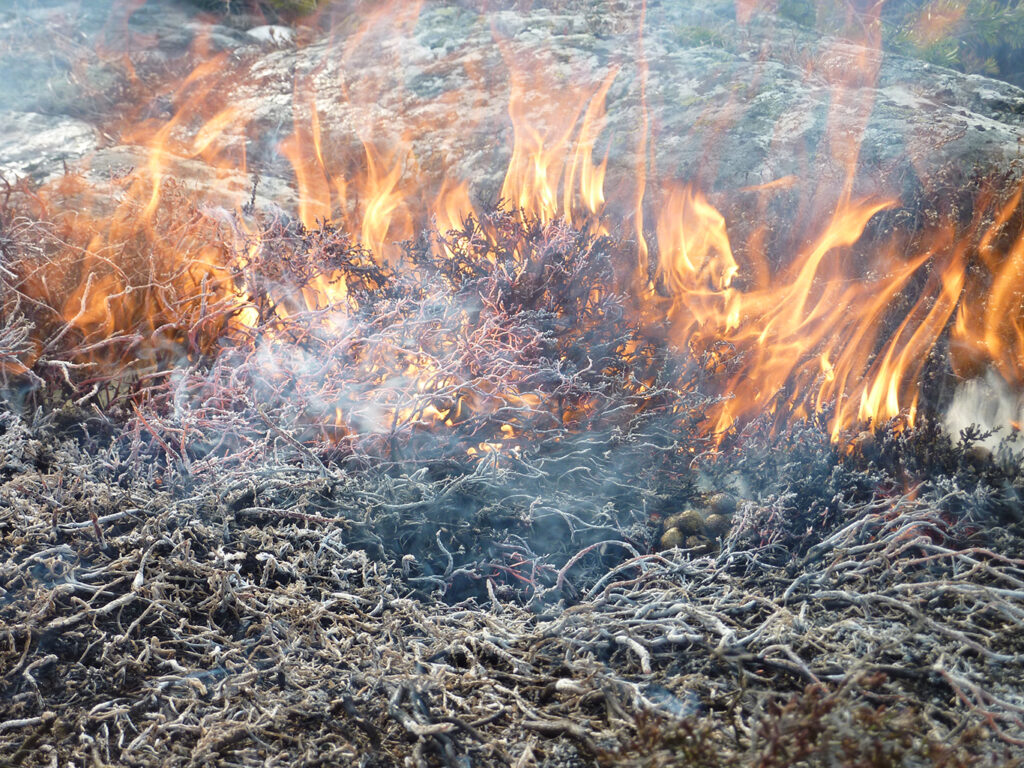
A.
x: 838, y: 325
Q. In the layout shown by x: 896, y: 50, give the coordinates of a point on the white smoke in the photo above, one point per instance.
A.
x: 988, y: 402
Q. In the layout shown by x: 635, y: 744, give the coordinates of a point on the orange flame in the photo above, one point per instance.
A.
x: 835, y: 326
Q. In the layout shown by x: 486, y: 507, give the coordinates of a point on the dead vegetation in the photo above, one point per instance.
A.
x: 267, y: 547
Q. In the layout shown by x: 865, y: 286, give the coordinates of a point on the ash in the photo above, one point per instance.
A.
x: 427, y: 531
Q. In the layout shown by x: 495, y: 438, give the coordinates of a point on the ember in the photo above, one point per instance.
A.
x: 324, y: 441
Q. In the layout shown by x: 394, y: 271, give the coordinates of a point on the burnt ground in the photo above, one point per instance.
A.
x: 244, y: 620
x: 201, y: 565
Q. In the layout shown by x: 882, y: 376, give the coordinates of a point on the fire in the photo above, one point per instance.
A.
x: 372, y: 204
x: 694, y: 246
x: 840, y: 326
x: 453, y: 207
x: 551, y: 174
x: 989, y: 326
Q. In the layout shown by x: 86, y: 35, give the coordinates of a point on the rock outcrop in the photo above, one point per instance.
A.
x: 726, y: 105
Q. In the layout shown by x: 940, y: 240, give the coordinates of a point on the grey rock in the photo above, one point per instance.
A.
x: 43, y: 146
x: 728, y: 106
x: 759, y: 105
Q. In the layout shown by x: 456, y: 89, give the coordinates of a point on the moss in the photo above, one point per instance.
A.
x: 692, y: 37
x: 803, y: 12
x: 293, y: 6
x: 288, y: 8
x: 979, y: 36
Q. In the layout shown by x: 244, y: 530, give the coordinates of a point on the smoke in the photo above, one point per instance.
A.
x: 988, y: 402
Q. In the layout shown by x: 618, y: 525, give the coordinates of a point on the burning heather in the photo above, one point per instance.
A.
x: 452, y: 383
